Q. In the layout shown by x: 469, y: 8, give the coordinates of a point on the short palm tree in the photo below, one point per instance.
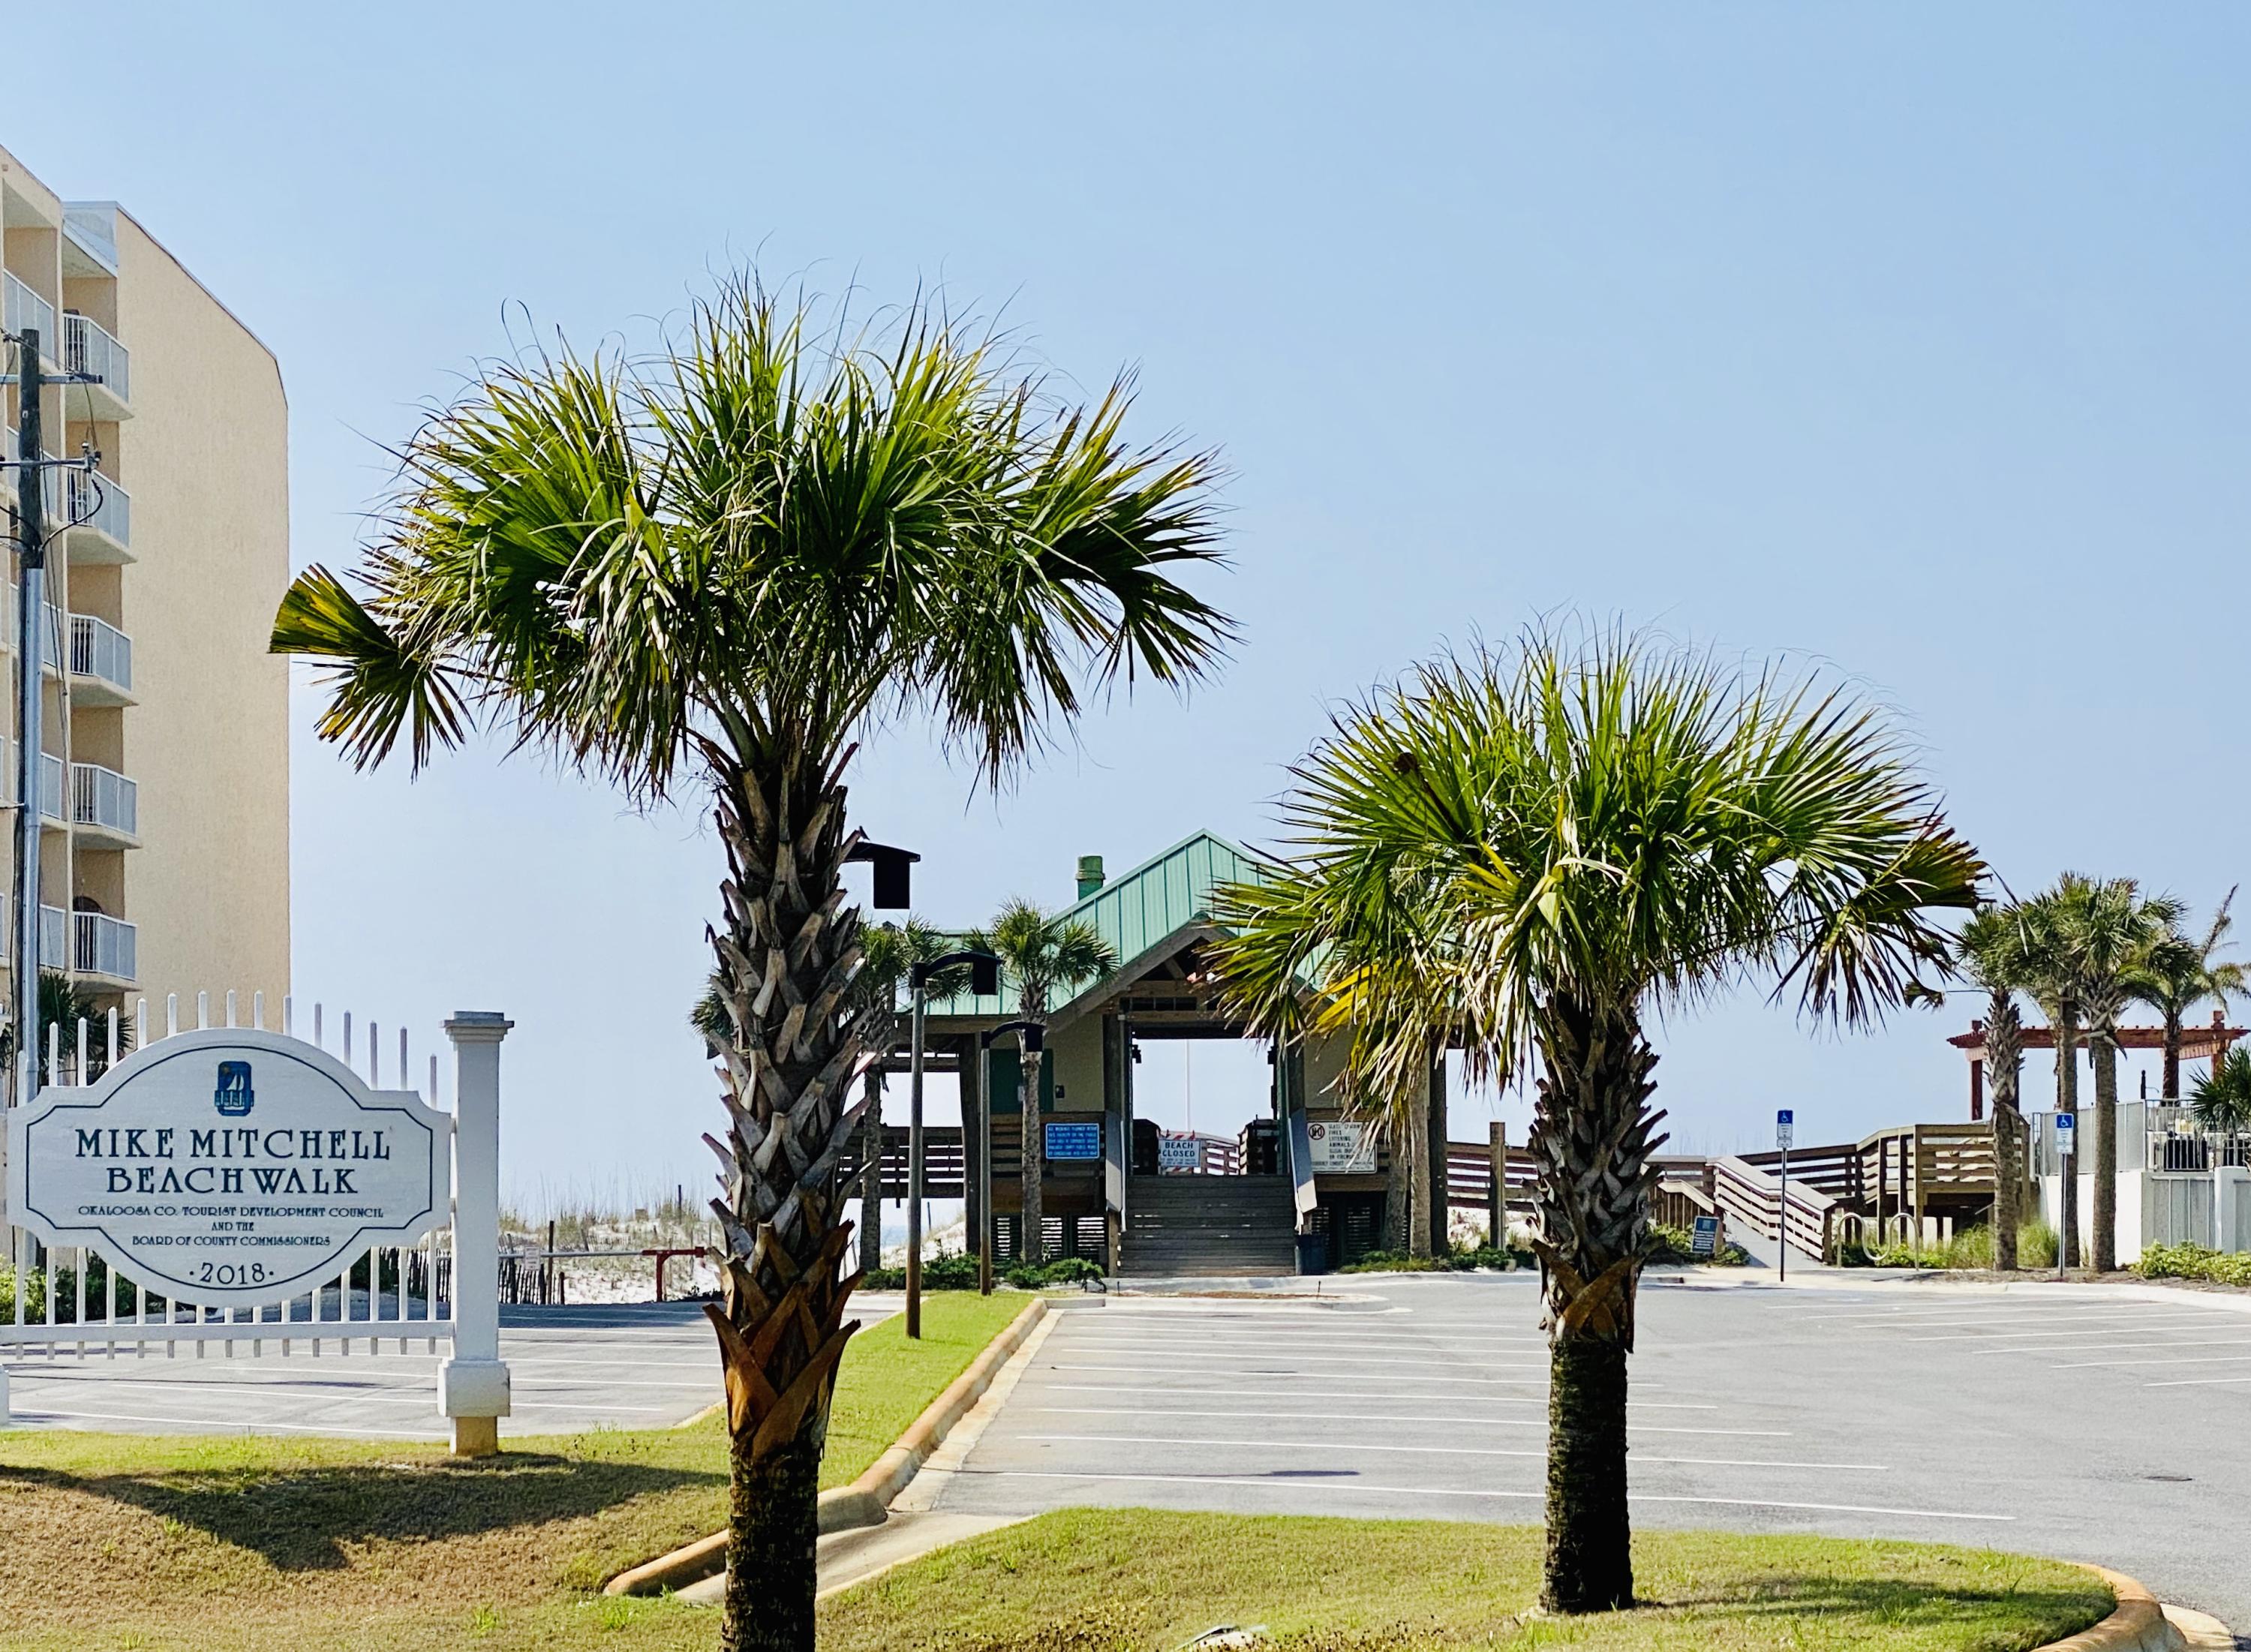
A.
x: 2222, y: 1098
x: 2101, y: 933
x: 1529, y: 855
x: 63, y: 1004
x: 2180, y: 972
x: 712, y: 574
x: 1993, y: 951
x: 1040, y: 951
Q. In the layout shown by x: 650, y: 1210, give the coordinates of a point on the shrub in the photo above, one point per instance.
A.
x: 37, y: 1283
x: 2194, y: 1262
x: 1672, y: 1246
x: 957, y: 1271
x: 1064, y: 1270
x: 1459, y: 1261
x: 1971, y: 1247
x: 950, y: 1271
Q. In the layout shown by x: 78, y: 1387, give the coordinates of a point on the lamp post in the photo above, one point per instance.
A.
x: 984, y: 979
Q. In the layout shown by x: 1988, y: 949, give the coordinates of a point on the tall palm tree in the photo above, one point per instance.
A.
x: 1992, y: 949
x: 2180, y: 972
x: 2045, y: 972
x: 1530, y: 855
x: 713, y: 574
x: 1039, y: 952
x: 2104, y: 931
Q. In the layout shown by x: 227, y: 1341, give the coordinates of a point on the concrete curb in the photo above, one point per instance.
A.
x: 866, y: 1501
x: 2138, y: 1625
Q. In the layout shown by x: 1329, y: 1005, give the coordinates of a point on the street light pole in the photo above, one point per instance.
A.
x: 914, y: 1171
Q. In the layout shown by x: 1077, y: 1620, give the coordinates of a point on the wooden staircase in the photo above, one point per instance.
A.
x: 1208, y: 1225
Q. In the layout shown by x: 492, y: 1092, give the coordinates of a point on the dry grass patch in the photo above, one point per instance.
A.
x: 222, y: 1541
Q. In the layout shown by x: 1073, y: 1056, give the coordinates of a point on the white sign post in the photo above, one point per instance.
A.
x: 229, y: 1167
x: 473, y: 1387
x: 2067, y: 1149
x: 1785, y: 1126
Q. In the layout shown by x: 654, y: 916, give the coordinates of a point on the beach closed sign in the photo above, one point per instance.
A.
x: 229, y: 1167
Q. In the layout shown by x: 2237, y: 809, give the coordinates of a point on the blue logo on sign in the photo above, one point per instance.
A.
x: 234, y: 1096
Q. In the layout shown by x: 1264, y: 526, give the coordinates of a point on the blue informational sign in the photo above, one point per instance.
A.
x: 1784, y: 1122
x: 1706, y: 1239
x: 1075, y: 1141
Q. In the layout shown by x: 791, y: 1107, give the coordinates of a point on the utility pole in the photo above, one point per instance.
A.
x: 30, y: 611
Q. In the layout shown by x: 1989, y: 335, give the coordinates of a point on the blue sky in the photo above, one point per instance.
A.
x: 1910, y: 339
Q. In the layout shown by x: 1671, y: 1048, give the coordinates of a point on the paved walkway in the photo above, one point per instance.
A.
x: 2077, y: 1421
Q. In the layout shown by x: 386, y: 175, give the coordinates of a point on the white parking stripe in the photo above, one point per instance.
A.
x: 1239, y: 1394
x: 1358, y: 1487
x: 1263, y: 1371
x: 1403, y: 1337
x: 1319, y: 1376
x: 1362, y: 1416
x: 1449, y: 1451
x: 2198, y: 1359
x: 2098, y: 1347
x: 2196, y: 1382
x: 383, y: 1396
x: 2202, y: 1322
x: 287, y: 1427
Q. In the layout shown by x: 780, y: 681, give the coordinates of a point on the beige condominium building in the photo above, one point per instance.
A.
x: 165, y: 796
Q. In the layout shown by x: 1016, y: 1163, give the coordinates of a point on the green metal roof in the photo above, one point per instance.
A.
x: 1137, y: 910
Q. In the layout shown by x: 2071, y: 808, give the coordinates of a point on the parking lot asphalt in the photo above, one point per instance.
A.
x: 2072, y: 1421
x: 634, y: 1365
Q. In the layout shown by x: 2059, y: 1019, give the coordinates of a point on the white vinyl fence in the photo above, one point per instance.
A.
x: 396, y: 1298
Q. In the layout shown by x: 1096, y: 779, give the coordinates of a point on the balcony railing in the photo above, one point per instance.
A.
x: 99, y: 650
x: 50, y: 644
x: 104, y: 799
x: 90, y: 943
x: 50, y: 782
x: 88, y: 347
x: 21, y: 308
x: 104, y: 945
x: 95, y: 502
x: 51, y: 490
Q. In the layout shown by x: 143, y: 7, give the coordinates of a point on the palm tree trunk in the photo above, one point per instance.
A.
x: 1398, y: 1186
x: 2169, y: 1089
x: 786, y: 955
x: 1034, y: 1222
x: 2105, y: 1246
x: 2067, y: 1101
x: 2004, y: 1062
x: 1590, y: 1146
x: 1419, y: 1175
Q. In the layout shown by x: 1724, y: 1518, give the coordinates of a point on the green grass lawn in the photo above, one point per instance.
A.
x: 887, y: 1380
x: 1092, y: 1580
x: 247, y: 1542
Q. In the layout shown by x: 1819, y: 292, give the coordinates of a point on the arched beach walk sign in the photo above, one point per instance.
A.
x: 229, y: 1167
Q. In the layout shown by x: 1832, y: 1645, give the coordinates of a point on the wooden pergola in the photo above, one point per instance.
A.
x: 2197, y: 1044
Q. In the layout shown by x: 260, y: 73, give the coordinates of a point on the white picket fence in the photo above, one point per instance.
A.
x: 396, y: 1297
